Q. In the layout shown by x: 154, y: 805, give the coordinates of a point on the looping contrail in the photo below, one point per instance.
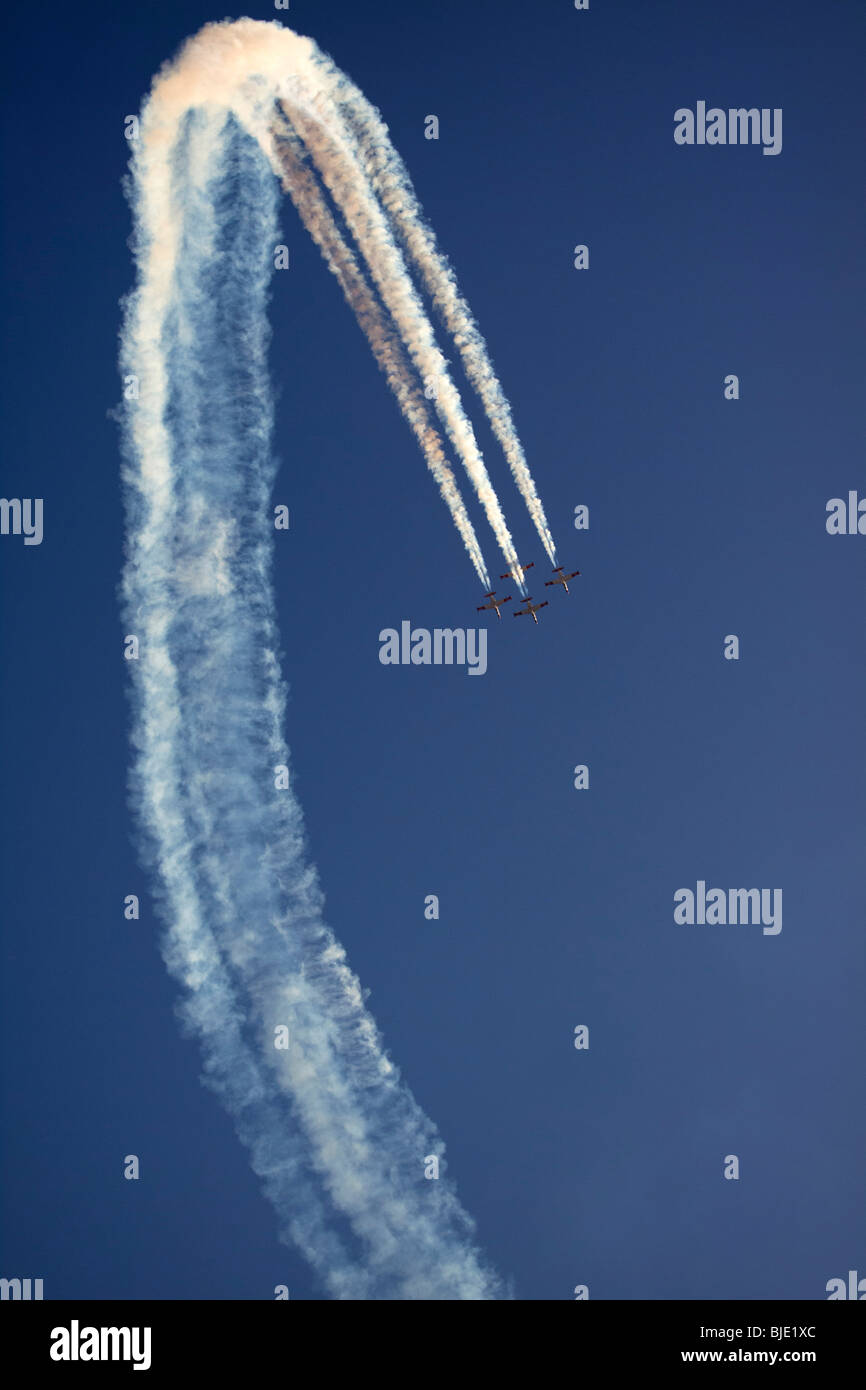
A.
x: 343, y: 1150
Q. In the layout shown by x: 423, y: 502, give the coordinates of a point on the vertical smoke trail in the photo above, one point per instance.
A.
x: 160, y: 578
x: 389, y: 179
x: 339, y: 1141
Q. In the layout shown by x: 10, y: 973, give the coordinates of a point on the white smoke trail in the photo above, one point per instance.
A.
x: 337, y: 1138
x: 316, y: 117
x: 389, y: 179
x: 318, y: 220
x: 156, y: 572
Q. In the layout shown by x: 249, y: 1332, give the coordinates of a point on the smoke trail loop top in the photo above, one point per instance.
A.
x: 254, y: 69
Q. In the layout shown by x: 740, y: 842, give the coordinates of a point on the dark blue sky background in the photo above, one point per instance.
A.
x: 707, y: 518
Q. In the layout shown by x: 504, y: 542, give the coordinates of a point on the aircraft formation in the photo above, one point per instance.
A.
x: 528, y: 609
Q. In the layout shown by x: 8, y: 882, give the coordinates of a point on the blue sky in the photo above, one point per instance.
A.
x: 706, y: 518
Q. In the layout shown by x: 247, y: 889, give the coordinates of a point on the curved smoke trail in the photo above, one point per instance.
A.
x: 336, y: 1137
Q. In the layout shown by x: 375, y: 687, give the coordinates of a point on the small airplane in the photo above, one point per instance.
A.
x: 530, y: 610
x: 562, y: 578
x: 494, y: 602
x: 517, y: 573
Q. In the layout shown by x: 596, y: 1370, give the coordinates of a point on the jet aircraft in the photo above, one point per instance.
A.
x: 494, y: 602
x: 518, y: 572
x: 562, y: 578
x: 530, y: 610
